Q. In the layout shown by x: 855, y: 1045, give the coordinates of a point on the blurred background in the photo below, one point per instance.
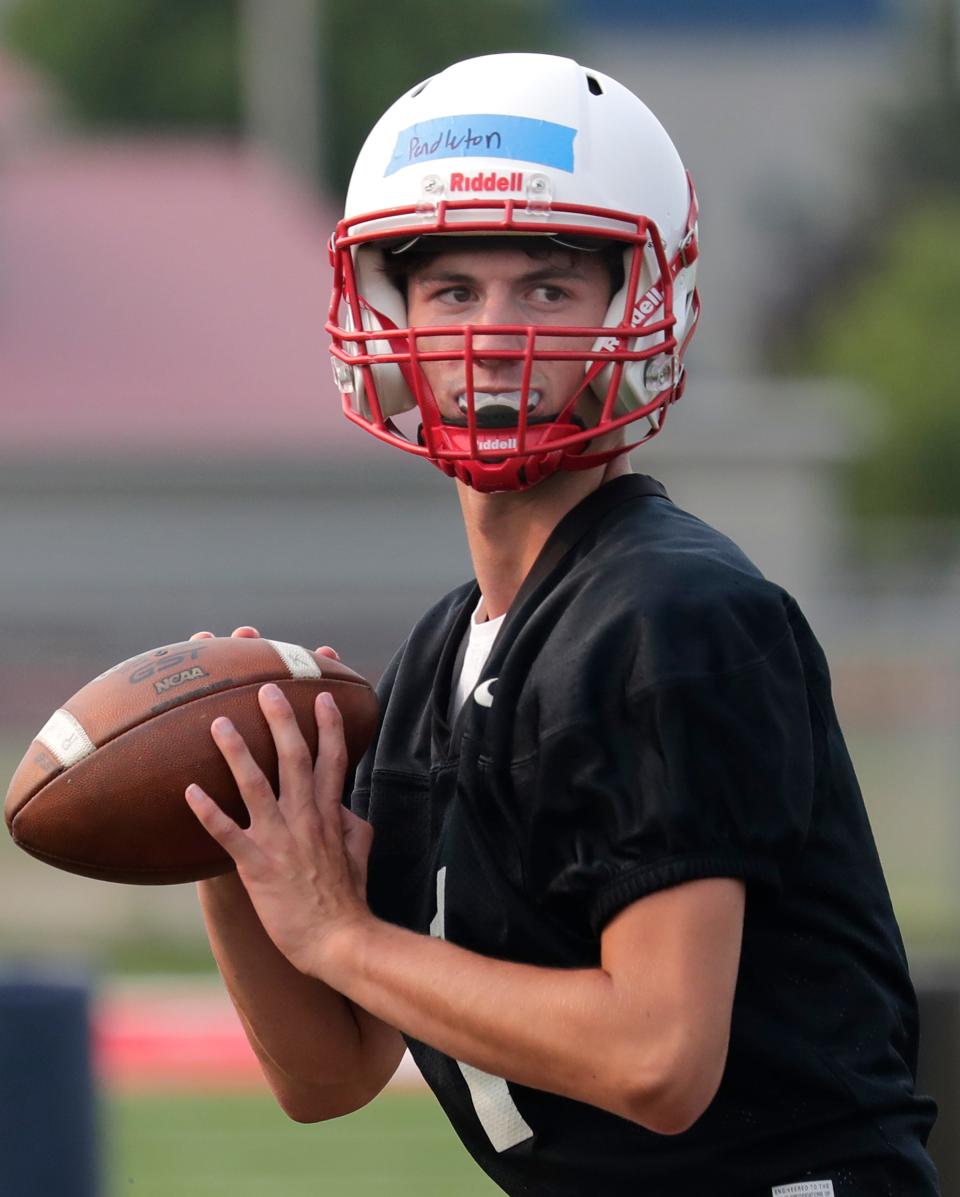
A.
x: 172, y: 454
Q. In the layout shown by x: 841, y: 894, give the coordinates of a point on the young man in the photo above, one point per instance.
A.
x: 623, y: 902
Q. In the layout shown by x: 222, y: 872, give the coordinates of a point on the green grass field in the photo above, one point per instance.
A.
x: 241, y: 1145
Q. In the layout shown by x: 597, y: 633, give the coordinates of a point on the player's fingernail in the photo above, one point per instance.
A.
x: 271, y: 691
x: 222, y: 725
x: 327, y: 699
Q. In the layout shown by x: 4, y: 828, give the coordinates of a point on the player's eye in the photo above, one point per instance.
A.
x: 549, y: 294
x: 454, y: 295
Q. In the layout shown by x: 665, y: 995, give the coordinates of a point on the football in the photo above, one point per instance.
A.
x: 100, y: 789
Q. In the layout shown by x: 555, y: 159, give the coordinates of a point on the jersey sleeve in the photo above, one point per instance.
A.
x: 704, y: 776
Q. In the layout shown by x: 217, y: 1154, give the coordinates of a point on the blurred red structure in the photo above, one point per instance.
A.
x: 158, y: 297
x: 155, y: 1039
x: 154, y: 1036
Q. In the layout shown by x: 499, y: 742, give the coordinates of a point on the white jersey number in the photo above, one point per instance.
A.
x: 498, y: 1114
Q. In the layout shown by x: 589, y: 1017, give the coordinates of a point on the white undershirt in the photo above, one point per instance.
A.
x: 480, y: 638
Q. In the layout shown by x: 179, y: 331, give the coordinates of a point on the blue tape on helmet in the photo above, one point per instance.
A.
x: 485, y: 136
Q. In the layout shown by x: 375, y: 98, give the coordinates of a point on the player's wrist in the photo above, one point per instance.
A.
x: 341, y: 950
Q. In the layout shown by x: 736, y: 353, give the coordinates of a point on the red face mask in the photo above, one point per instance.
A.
x: 382, y: 367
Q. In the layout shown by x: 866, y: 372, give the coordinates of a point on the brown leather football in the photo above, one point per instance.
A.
x: 100, y: 790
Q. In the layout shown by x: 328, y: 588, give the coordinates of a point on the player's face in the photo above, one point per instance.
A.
x: 503, y: 286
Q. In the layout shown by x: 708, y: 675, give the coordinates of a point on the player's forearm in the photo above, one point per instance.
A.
x: 320, y: 1055
x: 567, y: 1031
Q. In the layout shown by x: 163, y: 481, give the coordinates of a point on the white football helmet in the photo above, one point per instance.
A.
x: 507, y: 145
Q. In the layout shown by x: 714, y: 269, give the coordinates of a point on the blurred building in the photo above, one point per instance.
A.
x: 172, y: 447
x: 161, y: 340
x: 772, y: 106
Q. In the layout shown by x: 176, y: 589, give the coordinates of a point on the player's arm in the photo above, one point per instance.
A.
x: 322, y: 1055
x: 644, y: 1036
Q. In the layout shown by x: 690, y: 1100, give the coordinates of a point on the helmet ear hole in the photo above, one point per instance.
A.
x: 382, y: 307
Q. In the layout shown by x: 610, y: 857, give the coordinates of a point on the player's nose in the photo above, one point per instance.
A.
x: 496, y: 327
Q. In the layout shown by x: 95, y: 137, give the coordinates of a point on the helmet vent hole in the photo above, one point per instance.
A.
x: 594, y: 85
x: 419, y: 88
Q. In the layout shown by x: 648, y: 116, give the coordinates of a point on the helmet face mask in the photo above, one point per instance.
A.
x: 468, y: 179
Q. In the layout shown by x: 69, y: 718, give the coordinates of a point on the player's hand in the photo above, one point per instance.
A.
x: 249, y: 633
x: 303, y: 859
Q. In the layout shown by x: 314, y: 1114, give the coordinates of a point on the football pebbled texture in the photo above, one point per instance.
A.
x: 100, y: 791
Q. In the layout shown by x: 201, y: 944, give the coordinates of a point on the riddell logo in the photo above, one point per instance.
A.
x: 491, y: 181
x: 642, y: 312
x: 646, y: 307
x: 506, y: 442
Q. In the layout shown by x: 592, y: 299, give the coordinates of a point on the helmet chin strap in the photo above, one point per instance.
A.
x: 517, y: 473
x: 509, y: 475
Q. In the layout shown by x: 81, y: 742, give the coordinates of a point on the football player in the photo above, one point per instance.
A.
x: 623, y: 903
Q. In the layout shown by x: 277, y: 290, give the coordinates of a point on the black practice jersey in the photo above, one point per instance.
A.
x: 654, y: 711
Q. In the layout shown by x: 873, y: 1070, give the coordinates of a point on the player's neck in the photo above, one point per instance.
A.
x: 505, y: 532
